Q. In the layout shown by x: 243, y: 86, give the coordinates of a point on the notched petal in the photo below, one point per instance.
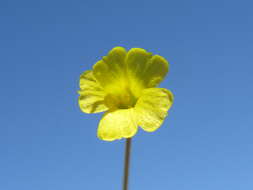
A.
x: 144, y: 68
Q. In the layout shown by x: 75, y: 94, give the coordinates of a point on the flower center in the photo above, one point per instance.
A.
x: 123, y: 99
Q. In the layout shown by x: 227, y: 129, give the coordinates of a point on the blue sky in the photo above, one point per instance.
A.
x: 47, y: 143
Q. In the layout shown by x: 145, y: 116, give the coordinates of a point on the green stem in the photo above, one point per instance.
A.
x: 127, y: 163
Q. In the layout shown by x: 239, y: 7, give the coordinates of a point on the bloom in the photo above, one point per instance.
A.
x: 124, y: 85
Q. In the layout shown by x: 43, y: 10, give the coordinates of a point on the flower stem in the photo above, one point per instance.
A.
x: 127, y: 163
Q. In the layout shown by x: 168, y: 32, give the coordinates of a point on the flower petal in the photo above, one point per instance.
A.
x: 110, y: 71
x: 151, y: 108
x: 144, y: 68
x: 91, y: 99
x: 117, y: 124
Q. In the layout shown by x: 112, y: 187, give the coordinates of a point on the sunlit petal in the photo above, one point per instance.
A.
x: 151, y: 108
x: 117, y: 124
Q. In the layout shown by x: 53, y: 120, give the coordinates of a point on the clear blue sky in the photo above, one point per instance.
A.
x: 47, y: 143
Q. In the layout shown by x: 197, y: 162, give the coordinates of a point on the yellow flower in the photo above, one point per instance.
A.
x: 123, y: 84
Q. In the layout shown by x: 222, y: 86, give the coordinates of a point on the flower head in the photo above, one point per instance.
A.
x: 124, y: 85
